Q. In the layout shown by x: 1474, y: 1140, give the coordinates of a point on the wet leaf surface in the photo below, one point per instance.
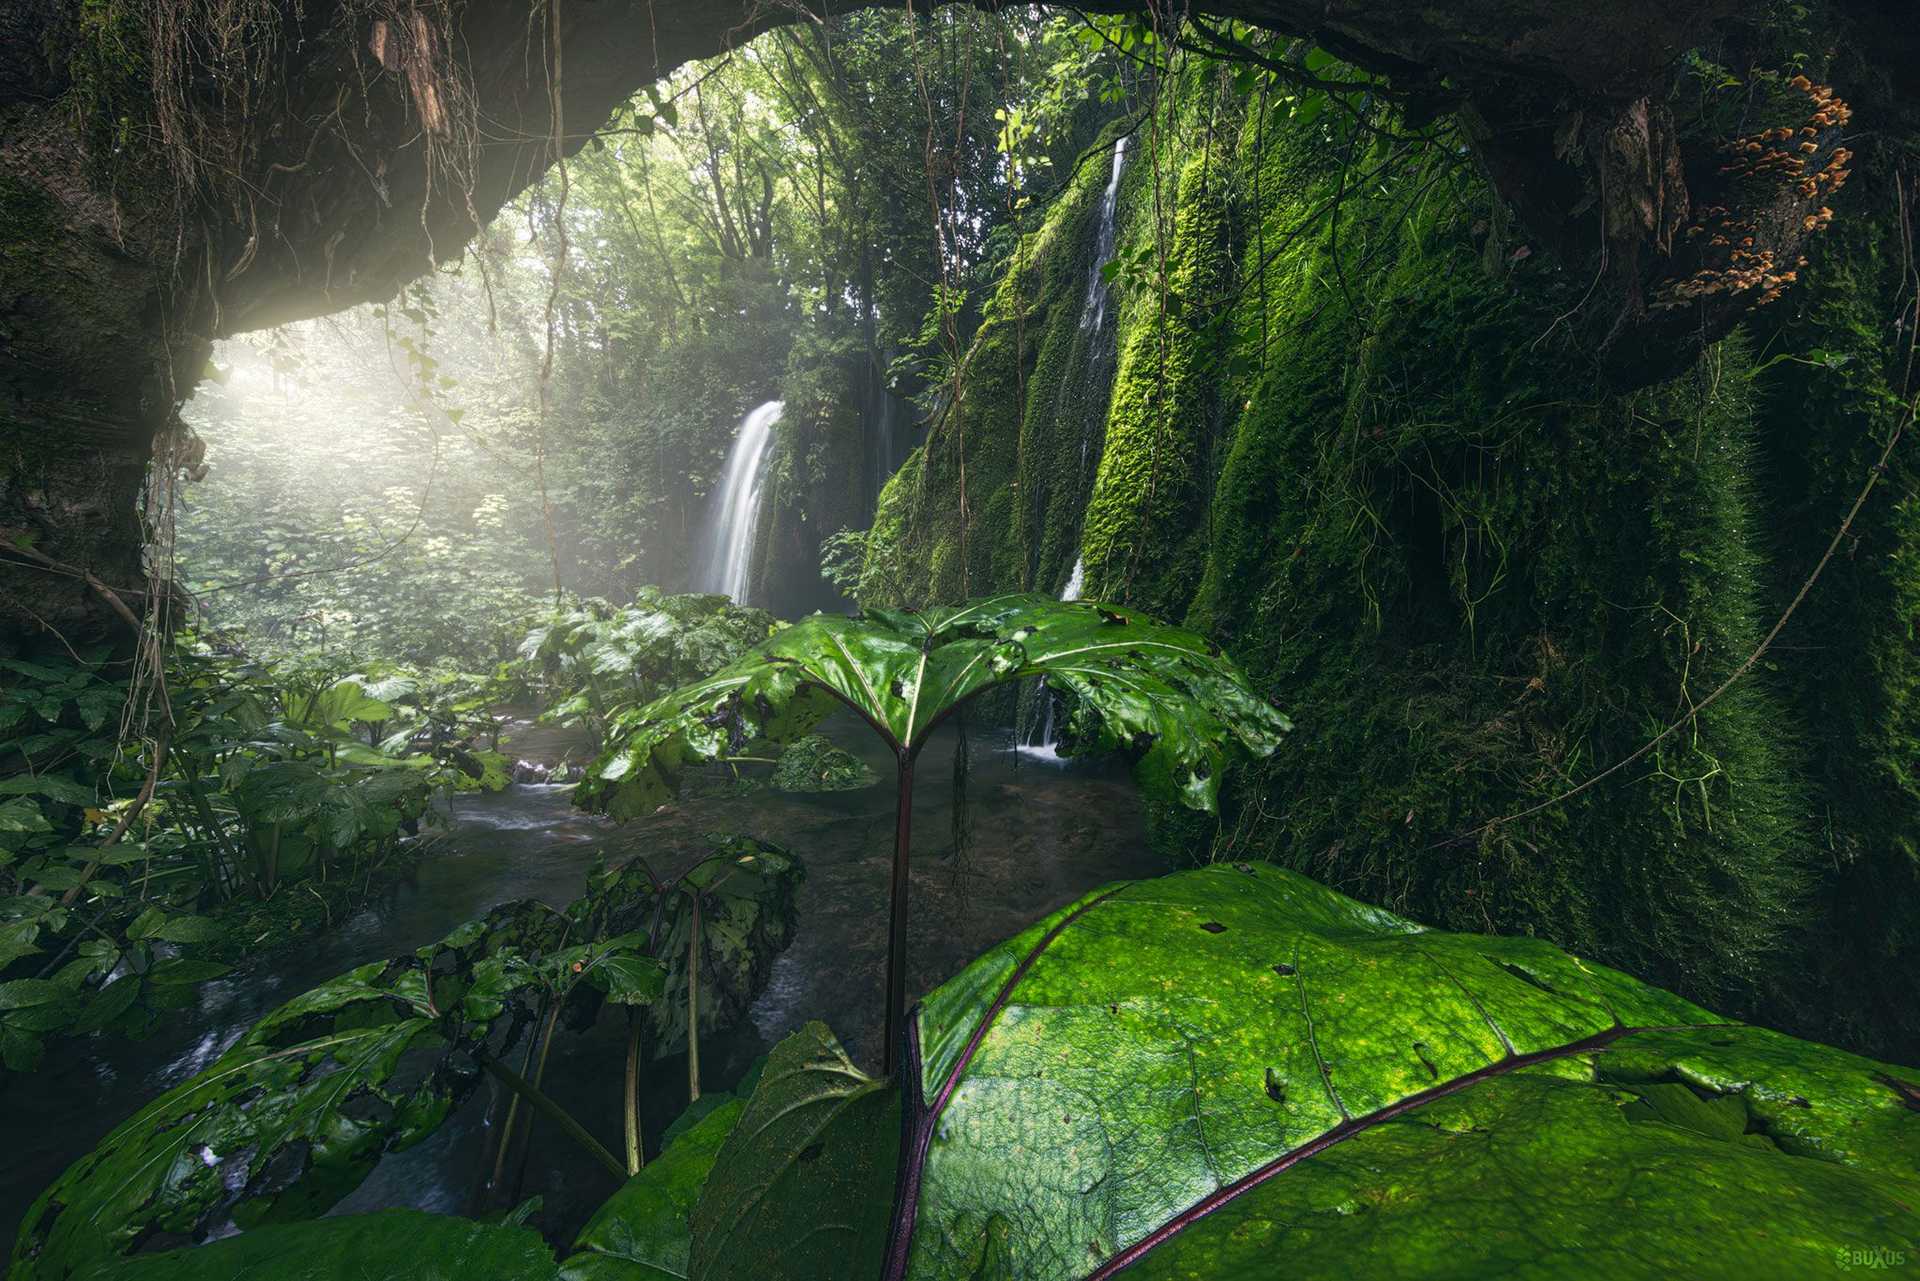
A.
x: 1324, y: 1083
x: 392, y: 1245
x: 1166, y: 697
x: 296, y: 1113
x: 645, y: 1229
x: 802, y: 1186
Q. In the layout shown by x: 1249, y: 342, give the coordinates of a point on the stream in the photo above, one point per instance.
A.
x: 1042, y: 836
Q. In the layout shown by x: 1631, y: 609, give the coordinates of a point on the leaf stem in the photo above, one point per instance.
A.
x: 636, y: 1158
x: 693, y: 1003
x: 554, y: 1112
x: 897, y: 915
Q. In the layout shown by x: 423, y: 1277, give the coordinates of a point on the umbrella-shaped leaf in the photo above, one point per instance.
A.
x: 1166, y: 696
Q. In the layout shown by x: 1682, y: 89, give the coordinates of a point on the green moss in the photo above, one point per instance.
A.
x: 1014, y: 433
x: 1831, y: 400
x: 109, y: 75
x: 28, y: 218
x: 1383, y: 473
x: 1143, y: 531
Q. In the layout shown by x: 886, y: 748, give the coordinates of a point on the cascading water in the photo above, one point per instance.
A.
x: 1093, y: 312
x: 1037, y: 737
x: 736, y: 508
x: 1076, y: 581
x: 1045, y: 745
x: 881, y: 416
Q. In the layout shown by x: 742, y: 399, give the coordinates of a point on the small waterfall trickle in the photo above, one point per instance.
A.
x: 883, y: 432
x: 1076, y: 581
x: 1043, y: 742
x: 736, y: 506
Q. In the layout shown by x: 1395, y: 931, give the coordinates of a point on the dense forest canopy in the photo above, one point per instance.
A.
x: 534, y: 475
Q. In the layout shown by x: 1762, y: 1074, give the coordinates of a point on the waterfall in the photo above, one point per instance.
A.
x: 736, y: 506
x: 883, y: 440
x: 1095, y: 356
x: 1045, y: 743
x: 1087, y: 382
x: 1093, y: 312
x: 1077, y: 580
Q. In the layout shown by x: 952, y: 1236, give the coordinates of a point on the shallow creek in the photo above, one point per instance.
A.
x: 1042, y: 835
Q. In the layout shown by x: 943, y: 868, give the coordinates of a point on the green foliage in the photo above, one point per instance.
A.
x: 1371, y: 460
x: 810, y: 1161
x: 594, y: 660
x: 645, y: 1229
x: 1167, y: 697
x: 302, y: 1106
x: 268, y: 778
x: 1829, y: 397
x: 296, y: 1113
x: 814, y: 764
x: 745, y: 890
x: 364, y: 491
x: 392, y: 1245
x: 1201, y: 1073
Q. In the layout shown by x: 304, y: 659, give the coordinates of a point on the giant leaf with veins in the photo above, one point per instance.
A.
x: 1234, y: 1070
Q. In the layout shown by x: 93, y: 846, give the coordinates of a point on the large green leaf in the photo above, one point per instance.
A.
x: 746, y: 919
x: 802, y: 1187
x: 342, y: 703
x: 295, y: 1114
x: 1205, y: 1075
x: 644, y: 1231
x: 1166, y: 696
x: 392, y: 1245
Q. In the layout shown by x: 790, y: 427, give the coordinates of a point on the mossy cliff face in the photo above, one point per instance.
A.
x: 1007, y: 442
x: 1387, y: 474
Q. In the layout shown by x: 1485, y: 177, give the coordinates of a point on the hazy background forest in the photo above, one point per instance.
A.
x: 756, y: 228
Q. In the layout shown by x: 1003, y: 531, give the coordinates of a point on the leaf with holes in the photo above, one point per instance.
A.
x: 1199, y: 1075
x: 392, y: 1245
x: 1165, y: 696
x: 295, y: 1114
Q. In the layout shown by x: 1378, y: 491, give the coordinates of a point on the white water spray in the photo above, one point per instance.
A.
x: 736, y: 508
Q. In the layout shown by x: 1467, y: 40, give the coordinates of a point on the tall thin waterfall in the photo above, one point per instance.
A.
x: 736, y: 507
x: 1093, y: 312
x: 1095, y: 354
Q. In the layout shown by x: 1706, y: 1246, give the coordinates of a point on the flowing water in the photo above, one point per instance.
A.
x: 736, y: 507
x: 1093, y: 313
x: 1084, y: 389
x: 1042, y: 743
x: 1040, y: 840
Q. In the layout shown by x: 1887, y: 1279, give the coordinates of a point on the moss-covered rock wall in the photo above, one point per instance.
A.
x: 1357, y: 433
